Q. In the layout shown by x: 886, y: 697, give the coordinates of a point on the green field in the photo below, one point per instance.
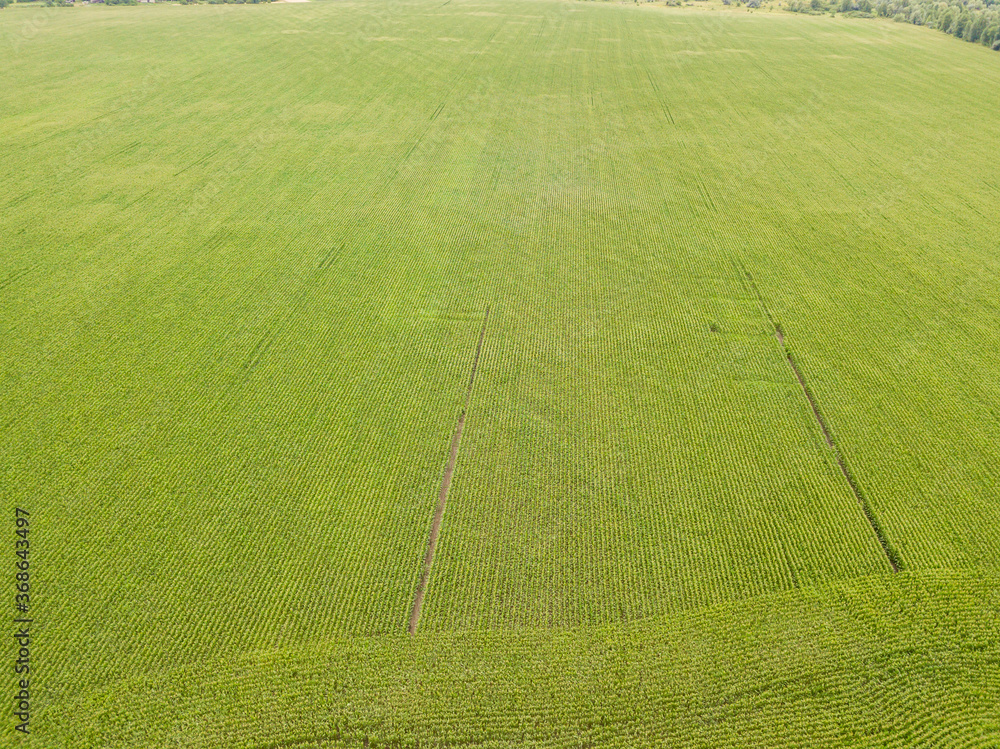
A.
x: 737, y: 281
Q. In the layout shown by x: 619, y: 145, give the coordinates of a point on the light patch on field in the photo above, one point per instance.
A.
x: 386, y: 39
x: 325, y: 111
x: 448, y: 39
x: 488, y: 13
x: 707, y: 51
x: 837, y: 38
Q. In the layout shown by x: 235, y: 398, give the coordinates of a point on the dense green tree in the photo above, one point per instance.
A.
x: 972, y: 20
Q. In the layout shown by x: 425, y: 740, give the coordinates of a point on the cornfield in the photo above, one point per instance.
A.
x: 696, y: 309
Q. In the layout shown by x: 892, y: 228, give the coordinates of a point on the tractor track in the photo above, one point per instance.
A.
x: 890, y: 554
x: 449, y: 471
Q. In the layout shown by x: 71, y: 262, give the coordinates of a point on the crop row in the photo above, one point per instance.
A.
x: 889, y: 661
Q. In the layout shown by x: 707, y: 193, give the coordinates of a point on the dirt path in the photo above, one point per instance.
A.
x: 418, y: 598
x: 865, y: 508
x: 779, y: 333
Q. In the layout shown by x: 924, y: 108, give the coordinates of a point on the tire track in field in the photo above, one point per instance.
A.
x: 447, y: 99
x: 656, y: 91
x: 418, y: 598
x: 16, y: 276
x: 890, y: 554
x: 269, y: 336
x: 264, y: 343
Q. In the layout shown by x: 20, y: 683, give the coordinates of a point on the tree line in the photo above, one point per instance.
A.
x: 976, y: 21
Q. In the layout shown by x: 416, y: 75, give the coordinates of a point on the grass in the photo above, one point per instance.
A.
x: 247, y: 255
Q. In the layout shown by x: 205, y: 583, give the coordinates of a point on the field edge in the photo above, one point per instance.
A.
x: 884, y: 660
